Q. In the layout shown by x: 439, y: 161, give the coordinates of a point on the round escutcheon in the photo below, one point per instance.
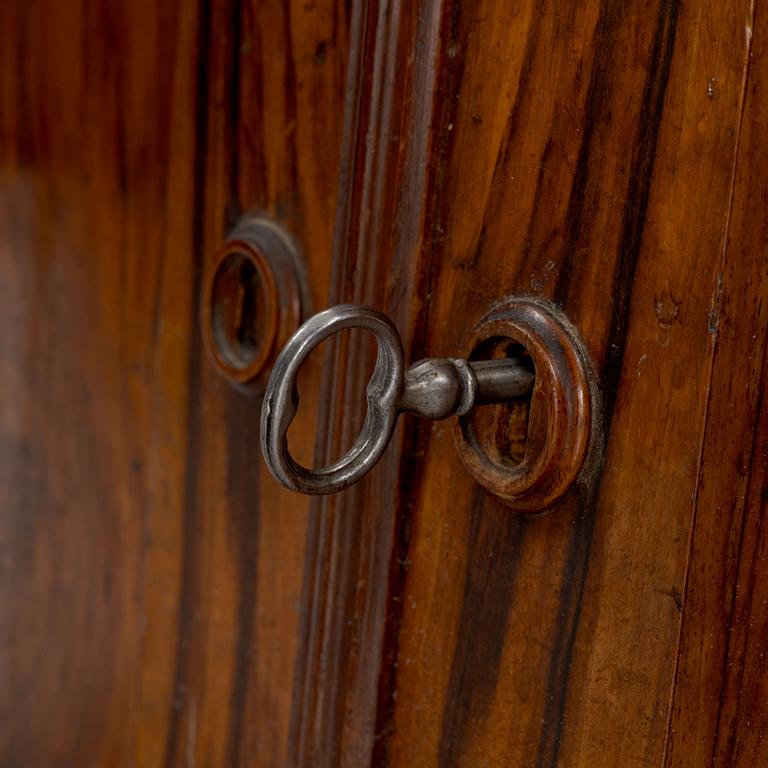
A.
x: 254, y: 297
x: 530, y: 453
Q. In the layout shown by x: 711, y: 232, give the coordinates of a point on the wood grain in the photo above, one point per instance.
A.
x: 718, y: 714
x: 583, y: 152
x: 151, y: 571
x: 347, y: 622
x: 553, y: 642
x: 163, y: 602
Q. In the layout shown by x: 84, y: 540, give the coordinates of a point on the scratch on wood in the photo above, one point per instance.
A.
x: 717, y: 301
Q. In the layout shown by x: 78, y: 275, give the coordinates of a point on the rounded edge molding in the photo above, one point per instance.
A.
x: 255, y: 295
x: 562, y: 430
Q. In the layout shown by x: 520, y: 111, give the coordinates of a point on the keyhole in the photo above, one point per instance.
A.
x: 504, y: 429
x: 253, y: 296
x: 241, y: 316
x: 247, y: 308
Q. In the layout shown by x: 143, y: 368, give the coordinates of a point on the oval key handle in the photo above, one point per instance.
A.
x: 433, y: 389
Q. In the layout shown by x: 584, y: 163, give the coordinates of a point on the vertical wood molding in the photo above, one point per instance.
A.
x: 380, y: 221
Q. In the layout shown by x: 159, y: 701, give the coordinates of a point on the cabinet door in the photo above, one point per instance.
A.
x: 163, y: 601
x: 150, y: 572
x: 609, y: 157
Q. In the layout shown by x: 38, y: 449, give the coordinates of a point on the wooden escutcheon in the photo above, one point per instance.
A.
x: 254, y: 298
x: 530, y: 452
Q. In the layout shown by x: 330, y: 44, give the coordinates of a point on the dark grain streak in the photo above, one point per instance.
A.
x: 629, y: 249
x: 243, y: 494
x: 494, y: 544
x: 638, y: 195
x: 501, y: 170
x: 190, y: 546
x: 599, y: 85
x: 234, y: 208
x: 292, y: 112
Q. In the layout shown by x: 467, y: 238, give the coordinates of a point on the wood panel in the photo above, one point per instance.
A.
x: 97, y: 255
x: 607, y: 184
x: 584, y: 152
x: 346, y: 620
x: 718, y: 710
x: 151, y: 571
x: 157, y: 602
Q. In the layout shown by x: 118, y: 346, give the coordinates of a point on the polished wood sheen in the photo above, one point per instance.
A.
x: 605, y: 156
x: 150, y: 571
x: 531, y: 454
x: 163, y: 602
